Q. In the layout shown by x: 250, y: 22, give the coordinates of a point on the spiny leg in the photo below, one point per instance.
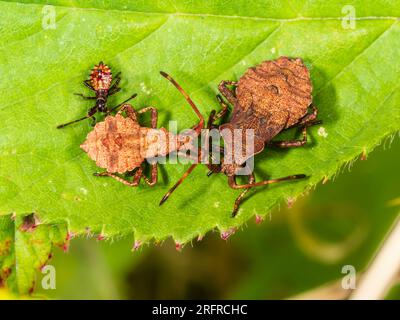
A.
x: 135, y: 182
x: 90, y: 114
x: 226, y: 92
x: 241, y: 196
x: 233, y: 185
x: 215, y: 116
x: 213, y: 168
x: 139, y: 174
x: 291, y: 143
x: 224, y: 109
x: 309, y: 119
x: 154, y: 176
x: 130, y: 112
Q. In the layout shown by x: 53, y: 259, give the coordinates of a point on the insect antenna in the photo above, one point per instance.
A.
x: 197, y: 128
x: 190, y: 101
x: 71, y: 122
x: 122, y: 103
x: 166, y: 196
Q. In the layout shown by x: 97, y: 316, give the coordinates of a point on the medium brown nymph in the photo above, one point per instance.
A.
x: 121, y: 144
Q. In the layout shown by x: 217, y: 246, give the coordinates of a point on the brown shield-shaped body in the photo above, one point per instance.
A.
x: 120, y: 144
x: 271, y: 96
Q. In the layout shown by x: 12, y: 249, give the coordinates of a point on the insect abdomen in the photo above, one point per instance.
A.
x: 115, y: 144
x: 101, y: 77
x: 280, y: 87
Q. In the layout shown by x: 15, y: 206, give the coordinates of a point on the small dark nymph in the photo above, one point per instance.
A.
x: 101, y: 83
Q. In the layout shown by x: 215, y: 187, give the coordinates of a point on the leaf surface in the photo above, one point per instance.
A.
x: 43, y: 170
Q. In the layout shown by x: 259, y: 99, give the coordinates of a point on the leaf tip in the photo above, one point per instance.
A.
x: 363, y: 155
x: 29, y: 223
x: 290, y: 201
x: 136, y: 245
x: 178, y: 246
x: 259, y: 219
x: 227, y: 233
x: 100, y: 237
x: 70, y: 235
x: 65, y: 246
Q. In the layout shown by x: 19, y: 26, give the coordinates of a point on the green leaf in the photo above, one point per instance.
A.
x: 7, y: 253
x: 43, y: 170
x: 25, y: 247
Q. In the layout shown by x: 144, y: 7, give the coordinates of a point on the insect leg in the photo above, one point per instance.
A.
x: 224, y: 109
x: 114, y: 90
x: 88, y: 85
x: 184, y: 176
x: 309, y: 119
x: 85, y: 97
x: 213, y: 168
x: 226, y: 92
x: 240, y: 197
x: 154, y: 115
x: 90, y: 114
x: 211, y: 119
x: 233, y: 185
x: 291, y: 143
x: 215, y: 116
x: 154, y: 170
x: 134, y: 183
x: 154, y: 175
x: 129, y: 111
x: 195, y: 109
x: 117, y: 78
x: 122, y: 103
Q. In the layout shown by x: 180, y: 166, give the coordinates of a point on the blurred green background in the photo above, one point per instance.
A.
x: 295, y: 251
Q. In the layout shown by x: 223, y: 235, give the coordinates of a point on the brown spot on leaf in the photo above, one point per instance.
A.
x: 29, y: 223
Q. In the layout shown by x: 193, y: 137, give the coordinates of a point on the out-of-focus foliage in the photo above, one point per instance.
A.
x: 25, y: 247
x: 394, y: 293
